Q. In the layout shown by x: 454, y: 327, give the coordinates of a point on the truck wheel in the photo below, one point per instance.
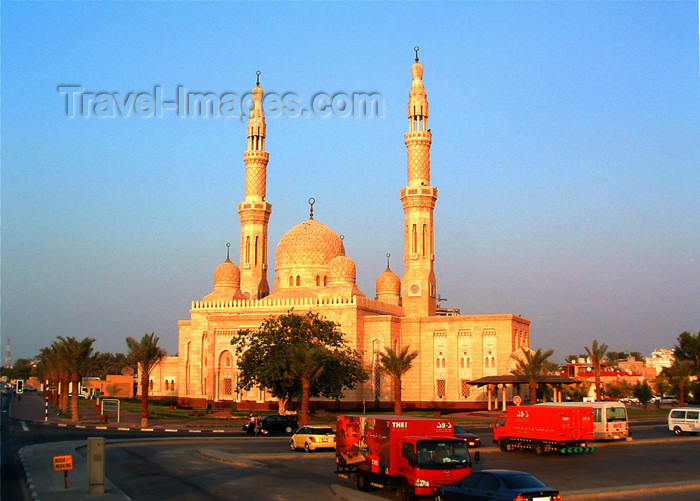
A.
x: 677, y: 430
x: 362, y: 480
x: 406, y: 492
x: 438, y: 497
x: 503, y: 444
x: 538, y: 448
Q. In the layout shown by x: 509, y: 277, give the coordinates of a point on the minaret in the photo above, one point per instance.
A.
x: 418, y: 199
x: 254, y: 211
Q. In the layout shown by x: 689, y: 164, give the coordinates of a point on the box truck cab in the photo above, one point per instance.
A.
x: 415, y: 456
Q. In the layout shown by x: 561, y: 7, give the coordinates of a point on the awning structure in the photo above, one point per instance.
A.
x: 493, y: 382
x: 513, y: 379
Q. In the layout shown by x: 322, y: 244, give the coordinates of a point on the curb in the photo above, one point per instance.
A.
x: 33, y: 495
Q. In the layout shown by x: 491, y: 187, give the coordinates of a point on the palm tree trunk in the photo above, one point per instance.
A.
x: 533, y: 391
x: 597, y: 383
x: 397, y: 396
x: 305, y: 389
x: 65, y: 383
x: 74, y: 402
x: 144, y: 400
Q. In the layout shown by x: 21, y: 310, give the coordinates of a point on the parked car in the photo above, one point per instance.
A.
x: 497, y: 485
x: 272, y: 424
x: 669, y: 401
x: 472, y: 440
x: 313, y: 437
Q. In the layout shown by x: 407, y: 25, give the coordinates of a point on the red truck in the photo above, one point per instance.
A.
x: 566, y: 430
x: 412, y: 455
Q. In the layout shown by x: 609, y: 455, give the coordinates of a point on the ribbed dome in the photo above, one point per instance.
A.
x: 341, y: 271
x: 388, y: 283
x: 227, y: 274
x: 308, y: 244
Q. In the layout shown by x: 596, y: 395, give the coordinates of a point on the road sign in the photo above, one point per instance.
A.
x: 62, y: 463
x: 517, y: 400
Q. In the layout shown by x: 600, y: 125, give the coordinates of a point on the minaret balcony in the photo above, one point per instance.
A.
x: 256, y: 154
x: 419, y: 135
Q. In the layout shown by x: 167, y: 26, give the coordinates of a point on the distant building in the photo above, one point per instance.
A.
x: 660, y: 359
x: 313, y: 273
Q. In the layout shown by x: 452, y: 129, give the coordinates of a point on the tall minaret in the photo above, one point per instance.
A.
x: 254, y: 211
x: 418, y: 199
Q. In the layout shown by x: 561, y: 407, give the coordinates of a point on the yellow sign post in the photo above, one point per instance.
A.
x: 63, y: 463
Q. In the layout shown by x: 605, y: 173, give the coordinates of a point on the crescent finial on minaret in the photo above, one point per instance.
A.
x: 312, y: 201
x: 257, y: 74
x: 416, y: 48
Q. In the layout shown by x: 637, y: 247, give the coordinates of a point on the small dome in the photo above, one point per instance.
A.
x: 227, y: 274
x: 341, y: 271
x: 388, y: 283
x: 308, y: 244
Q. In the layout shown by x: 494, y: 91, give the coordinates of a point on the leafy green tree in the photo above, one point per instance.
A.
x: 146, y: 355
x: 576, y: 392
x: 48, y: 369
x: 618, y: 389
x: 532, y: 366
x: 596, y: 354
x: 272, y: 358
x: 76, y: 357
x: 688, y: 348
x: 396, y: 364
x: 643, y: 392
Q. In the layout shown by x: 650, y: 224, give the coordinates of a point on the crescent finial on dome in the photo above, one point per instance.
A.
x: 388, y: 255
x: 312, y: 201
x: 228, y: 248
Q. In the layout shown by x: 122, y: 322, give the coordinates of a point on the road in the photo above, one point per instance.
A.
x: 172, y: 469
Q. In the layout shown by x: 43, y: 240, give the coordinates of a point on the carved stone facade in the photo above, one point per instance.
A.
x: 312, y: 273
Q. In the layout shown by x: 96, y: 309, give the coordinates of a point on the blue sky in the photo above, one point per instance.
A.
x: 565, y: 151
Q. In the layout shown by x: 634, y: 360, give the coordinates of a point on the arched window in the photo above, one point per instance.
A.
x: 291, y: 280
x: 425, y: 238
x: 255, y: 251
x: 414, y: 240
x: 318, y: 280
x: 247, y: 249
x: 298, y: 280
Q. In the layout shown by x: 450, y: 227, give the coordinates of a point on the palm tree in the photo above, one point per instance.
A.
x: 396, y: 365
x: 596, y: 354
x: 533, y: 365
x: 146, y: 354
x: 76, y: 357
x: 306, y: 365
x: 48, y: 369
x: 679, y: 372
x: 63, y: 374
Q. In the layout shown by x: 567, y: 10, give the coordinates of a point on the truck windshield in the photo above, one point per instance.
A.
x: 442, y: 454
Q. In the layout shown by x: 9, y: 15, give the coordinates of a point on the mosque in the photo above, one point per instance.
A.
x: 312, y: 273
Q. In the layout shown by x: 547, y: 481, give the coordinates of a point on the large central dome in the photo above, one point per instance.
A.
x: 308, y: 244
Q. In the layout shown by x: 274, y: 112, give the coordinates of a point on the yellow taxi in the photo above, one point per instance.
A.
x: 313, y: 437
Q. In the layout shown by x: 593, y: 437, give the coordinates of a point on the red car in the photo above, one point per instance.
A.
x: 472, y: 440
